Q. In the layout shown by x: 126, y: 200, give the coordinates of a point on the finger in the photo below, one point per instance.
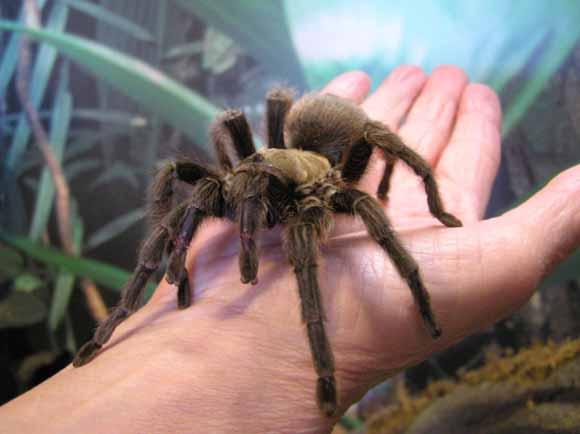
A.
x: 430, y: 121
x: 389, y: 104
x: 353, y: 85
x: 498, y: 263
x: 471, y: 159
x: 395, y: 95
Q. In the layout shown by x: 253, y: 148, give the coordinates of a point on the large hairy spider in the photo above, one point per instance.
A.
x: 318, y: 148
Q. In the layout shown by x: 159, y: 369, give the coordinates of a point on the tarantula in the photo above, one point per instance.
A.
x: 318, y: 148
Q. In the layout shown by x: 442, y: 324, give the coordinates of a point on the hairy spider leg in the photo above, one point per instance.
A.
x: 393, y: 147
x: 385, y: 183
x: 207, y: 200
x: 240, y: 132
x: 221, y: 139
x: 355, y: 161
x: 360, y: 204
x: 302, y: 235
x: 252, y: 215
x: 278, y: 103
x: 252, y: 186
x: 355, y: 164
x: 132, y: 294
x: 162, y: 189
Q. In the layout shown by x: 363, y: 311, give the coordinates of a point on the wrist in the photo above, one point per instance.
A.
x: 227, y: 377
x: 181, y: 372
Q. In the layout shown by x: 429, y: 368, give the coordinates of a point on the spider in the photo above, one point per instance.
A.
x: 317, y: 149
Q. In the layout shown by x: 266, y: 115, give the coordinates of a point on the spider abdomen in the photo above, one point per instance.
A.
x: 325, y: 124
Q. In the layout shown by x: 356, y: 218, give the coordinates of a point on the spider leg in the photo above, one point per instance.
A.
x: 252, y: 217
x: 278, y: 102
x: 385, y: 183
x: 220, y: 137
x: 207, y: 192
x: 356, y: 161
x: 237, y: 125
x: 162, y: 189
x: 149, y: 260
x: 207, y: 200
x: 379, y: 135
x: 302, y: 237
x: 356, y: 202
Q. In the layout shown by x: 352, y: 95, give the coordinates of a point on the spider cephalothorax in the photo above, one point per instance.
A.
x: 318, y: 148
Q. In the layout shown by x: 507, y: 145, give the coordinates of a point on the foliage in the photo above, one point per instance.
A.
x: 176, y: 104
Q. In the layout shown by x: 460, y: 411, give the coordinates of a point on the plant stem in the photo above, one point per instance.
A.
x: 94, y: 299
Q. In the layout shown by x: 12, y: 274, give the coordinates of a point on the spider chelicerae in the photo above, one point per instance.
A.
x: 317, y: 150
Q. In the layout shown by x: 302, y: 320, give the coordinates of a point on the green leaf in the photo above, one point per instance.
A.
x: 559, y: 46
x: 9, y: 58
x: 106, y: 16
x: 100, y: 272
x: 114, y: 228
x: 184, y: 50
x: 11, y: 263
x: 63, y: 289
x: 70, y: 341
x: 219, y: 52
x: 65, y: 280
x: 259, y: 27
x: 112, y: 117
x: 40, y: 75
x: 58, y: 134
x: 27, y: 283
x: 173, y: 102
x: 32, y: 363
x: 20, y: 309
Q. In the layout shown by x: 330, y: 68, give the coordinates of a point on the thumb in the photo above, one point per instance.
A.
x: 551, y: 221
x: 505, y: 258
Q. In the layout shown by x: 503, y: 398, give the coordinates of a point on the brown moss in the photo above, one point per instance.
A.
x: 524, y: 369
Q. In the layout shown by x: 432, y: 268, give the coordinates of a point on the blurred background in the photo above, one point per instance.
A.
x: 108, y: 88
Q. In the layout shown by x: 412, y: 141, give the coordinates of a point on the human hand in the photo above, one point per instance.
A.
x: 475, y: 274
x: 238, y: 359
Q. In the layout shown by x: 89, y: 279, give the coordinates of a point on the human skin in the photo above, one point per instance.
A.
x: 238, y: 361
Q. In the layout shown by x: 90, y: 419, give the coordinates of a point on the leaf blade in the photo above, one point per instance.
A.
x: 114, y: 228
x: 106, y: 16
x: 177, y: 105
x: 100, y: 272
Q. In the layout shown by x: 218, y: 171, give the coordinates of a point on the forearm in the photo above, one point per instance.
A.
x: 150, y: 379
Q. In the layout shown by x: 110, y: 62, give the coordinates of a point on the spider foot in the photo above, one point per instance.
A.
x: 252, y: 280
x: 184, y: 292
x: 87, y: 353
x: 326, y: 395
x: 383, y: 197
x: 431, y: 324
x: 248, y: 260
x: 450, y: 220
